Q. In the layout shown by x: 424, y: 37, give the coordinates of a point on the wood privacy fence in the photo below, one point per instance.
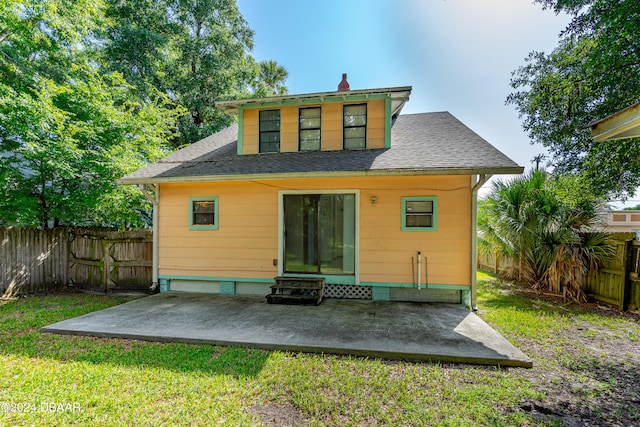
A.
x: 493, y: 263
x: 33, y: 260
x: 617, y: 282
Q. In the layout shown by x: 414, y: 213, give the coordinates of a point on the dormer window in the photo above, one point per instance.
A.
x: 269, y: 131
x: 309, y: 129
x: 354, y: 127
x: 325, y: 121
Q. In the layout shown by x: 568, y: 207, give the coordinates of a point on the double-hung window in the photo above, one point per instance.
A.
x: 269, y: 131
x: 203, y: 213
x: 354, y: 127
x: 309, y: 129
x: 419, y: 213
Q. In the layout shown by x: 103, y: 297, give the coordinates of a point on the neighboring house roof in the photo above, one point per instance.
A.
x: 623, y: 124
x: 421, y: 144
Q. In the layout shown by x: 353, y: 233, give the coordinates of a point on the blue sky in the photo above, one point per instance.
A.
x: 457, y: 54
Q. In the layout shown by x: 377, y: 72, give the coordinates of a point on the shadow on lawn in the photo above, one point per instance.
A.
x: 202, y: 358
x: 21, y: 320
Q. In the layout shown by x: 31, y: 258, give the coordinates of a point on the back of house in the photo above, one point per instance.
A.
x: 332, y: 185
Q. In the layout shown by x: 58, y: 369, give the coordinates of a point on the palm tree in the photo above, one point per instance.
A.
x: 511, y: 223
x: 537, y: 159
x: 571, y: 249
x: 272, y: 76
x: 546, y: 239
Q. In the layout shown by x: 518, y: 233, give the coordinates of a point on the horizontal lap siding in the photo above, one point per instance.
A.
x: 331, y: 128
x: 246, y: 242
x: 250, y: 132
x: 289, y: 129
x: 375, y: 124
x: 386, y: 251
x: 244, y: 245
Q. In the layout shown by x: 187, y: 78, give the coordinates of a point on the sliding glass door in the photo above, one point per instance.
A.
x: 319, y: 233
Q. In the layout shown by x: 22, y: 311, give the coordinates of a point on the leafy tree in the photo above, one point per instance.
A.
x: 574, y: 190
x: 137, y: 43
x: 93, y: 89
x: 592, y: 73
x: 67, y: 130
x: 551, y: 244
x: 195, y: 51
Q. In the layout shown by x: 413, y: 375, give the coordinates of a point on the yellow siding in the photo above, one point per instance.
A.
x: 386, y: 252
x: 375, y: 124
x: 331, y: 127
x: 250, y: 132
x: 246, y: 243
x: 288, y: 129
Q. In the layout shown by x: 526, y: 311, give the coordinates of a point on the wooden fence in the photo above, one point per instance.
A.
x: 617, y: 282
x: 33, y: 260
x: 632, y: 289
x: 493, y: 263
x: 110, y: 260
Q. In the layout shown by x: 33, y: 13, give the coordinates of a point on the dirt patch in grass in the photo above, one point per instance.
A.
x: 278, y: 415
x: 589, y: 369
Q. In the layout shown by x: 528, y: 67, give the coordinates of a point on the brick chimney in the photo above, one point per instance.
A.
x: 344, y: 84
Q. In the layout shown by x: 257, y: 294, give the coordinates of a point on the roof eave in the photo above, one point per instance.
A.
x: 624, y: 124
x: 232, y: 106
x: 515, y: 170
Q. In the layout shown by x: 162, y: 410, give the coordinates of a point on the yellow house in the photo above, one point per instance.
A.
x: 334, y: 185
x: 623, y: 124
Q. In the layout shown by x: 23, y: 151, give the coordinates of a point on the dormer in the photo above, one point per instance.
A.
x: 327, y: 121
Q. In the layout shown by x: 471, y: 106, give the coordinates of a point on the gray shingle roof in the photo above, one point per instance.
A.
x: 428, y: 143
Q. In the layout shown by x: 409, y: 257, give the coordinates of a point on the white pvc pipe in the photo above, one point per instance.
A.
x: 419, y: 269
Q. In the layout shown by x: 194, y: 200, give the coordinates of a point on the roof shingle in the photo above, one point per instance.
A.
x: 427, y: 143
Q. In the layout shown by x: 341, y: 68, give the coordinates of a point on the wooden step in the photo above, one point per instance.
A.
x: 296, y: 290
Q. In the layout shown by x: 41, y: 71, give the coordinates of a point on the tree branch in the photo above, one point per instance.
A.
x: 4, y: 34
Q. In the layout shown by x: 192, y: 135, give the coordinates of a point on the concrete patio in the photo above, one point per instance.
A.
x: 394, y: 330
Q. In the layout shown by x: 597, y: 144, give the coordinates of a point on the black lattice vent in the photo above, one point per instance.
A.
x: 347, y: 291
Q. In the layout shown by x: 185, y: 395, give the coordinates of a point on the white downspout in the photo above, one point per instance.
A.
x: 476, y: 182
x: 419, y: 268
x: 155, y: 201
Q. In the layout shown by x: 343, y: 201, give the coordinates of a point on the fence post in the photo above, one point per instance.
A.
x: 70, y: 238
x: 106, y: 264
x: 625, y: 292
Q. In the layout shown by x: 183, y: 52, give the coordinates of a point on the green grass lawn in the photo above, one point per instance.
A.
x: 585, y: 369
